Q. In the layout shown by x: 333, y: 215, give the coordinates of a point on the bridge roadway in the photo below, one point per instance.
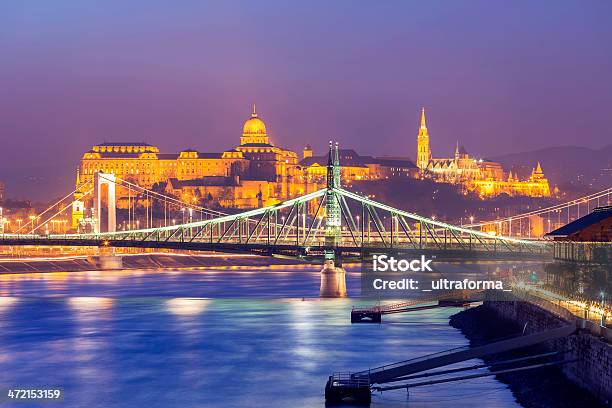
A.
x: 314, y: 251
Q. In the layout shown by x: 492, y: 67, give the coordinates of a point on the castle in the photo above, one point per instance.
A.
x: 486, y: 178
x: 257, y: 173
x: 253, y: 174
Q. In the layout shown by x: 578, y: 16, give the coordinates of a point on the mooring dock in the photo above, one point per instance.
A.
x: 341, y: 386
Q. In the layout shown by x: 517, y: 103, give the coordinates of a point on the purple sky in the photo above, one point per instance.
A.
x: 181, y: 74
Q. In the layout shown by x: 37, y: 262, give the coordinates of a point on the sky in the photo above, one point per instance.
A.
x: 497, y: 76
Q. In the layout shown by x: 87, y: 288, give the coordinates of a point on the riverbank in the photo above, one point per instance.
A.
x: 139, y: 261
x: 539, y: 388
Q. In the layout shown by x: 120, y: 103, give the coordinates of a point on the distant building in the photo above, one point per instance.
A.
x: 1, y: 191
x: 593, y: 227
x: 355, y: 167
x: 253, y: 173
x: 486, y: 178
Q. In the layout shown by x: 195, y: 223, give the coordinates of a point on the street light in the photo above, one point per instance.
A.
x: 603, y: 308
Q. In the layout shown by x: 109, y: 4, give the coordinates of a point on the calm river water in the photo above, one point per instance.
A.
x: 231, y: 337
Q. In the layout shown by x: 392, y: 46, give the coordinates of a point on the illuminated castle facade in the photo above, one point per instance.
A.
x: 252, y: 174
x: 486, y: 178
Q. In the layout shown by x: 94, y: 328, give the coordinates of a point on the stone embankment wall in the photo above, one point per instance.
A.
x: 592, y: 371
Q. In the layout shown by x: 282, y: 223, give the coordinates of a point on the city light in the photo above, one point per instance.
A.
x: 166, y: 242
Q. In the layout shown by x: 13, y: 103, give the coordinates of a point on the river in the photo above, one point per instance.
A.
x: 210, y: 337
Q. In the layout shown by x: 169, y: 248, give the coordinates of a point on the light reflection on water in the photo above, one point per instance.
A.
x: 199, y: 339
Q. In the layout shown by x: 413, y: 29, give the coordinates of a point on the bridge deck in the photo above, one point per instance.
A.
x: 285, y: 248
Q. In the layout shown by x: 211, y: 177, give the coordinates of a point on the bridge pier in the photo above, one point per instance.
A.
x: 106, y: 259
x: 333, y: 278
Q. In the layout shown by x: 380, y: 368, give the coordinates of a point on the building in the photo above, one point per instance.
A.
x: 254, y: 173
x: 1, y: 191
x: 355, y: 167
x: 484, y: 177
x: 593, y: 227
x: 536, y: 185
x: 586, y: 240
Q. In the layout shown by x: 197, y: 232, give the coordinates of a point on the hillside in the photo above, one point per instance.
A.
x: 563, y: 165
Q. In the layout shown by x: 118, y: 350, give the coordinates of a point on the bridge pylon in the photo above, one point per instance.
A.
x: 333, y: 276
x: 333, y: 221
x: 105, y: 183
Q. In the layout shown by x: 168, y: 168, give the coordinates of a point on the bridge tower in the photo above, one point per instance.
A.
x: 104, y: 185
x: 333, y: 276
x: 333, y: 223
x: 78, y: 206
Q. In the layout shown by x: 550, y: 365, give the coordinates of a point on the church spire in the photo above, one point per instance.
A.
x: 423, y: 125
x: 423, y: 151
x: 457, y: 150
x: 254, y: 114
x: 538, y: 169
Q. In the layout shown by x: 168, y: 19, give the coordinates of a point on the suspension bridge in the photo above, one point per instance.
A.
x: 536, y: 223
x: 328, y: 222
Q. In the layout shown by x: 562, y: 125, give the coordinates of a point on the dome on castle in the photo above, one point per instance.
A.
x: 254, y: 125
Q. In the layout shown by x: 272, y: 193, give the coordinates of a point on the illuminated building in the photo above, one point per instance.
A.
x: 355, y: 167
x: 254, y: 173
x: 423, y: 149
x: 486, y: 178
x: 534, y: 186
x: 1, y: 191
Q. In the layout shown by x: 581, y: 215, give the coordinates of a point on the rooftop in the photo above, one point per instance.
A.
x: 350, y: 158
x: 597, y: 215
x: 124, y: 144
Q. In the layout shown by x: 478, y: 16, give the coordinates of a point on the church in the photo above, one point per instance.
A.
x: 484, y: 177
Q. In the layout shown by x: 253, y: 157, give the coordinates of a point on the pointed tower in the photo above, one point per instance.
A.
x: 537, y: 173
x: 330, y: 166
x: 337, y: 168
x: 539, y: 169
x: 78, y: 206
x: 423, y: 150
x: 332, y: 206
x: 457, y: 151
